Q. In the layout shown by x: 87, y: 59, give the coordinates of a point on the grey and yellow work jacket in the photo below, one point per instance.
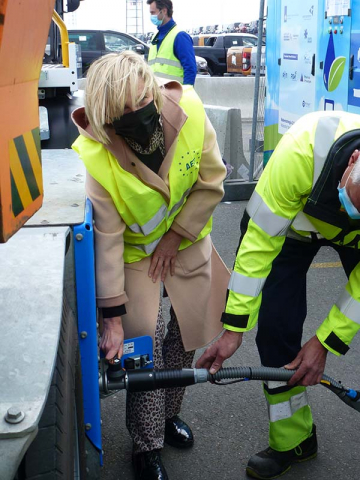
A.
x: 297, y: 196
x: 163, y: 61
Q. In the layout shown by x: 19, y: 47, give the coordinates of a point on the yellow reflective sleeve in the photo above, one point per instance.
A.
x: 343, y: 322
x: 257, y: 252
x: 281, y: 190
x: 287, y: 178
x: 254, y: 260
x: 238, y: 304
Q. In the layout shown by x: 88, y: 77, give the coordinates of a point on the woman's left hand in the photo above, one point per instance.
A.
x: 112, y: 337
x: 164, y: 256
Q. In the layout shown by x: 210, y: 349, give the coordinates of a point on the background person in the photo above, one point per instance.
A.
x: 154, y: 176
x: 307, y: 197
x: 171, y: 54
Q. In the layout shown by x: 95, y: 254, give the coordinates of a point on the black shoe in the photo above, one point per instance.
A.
x: 178, y: 433
x: 148, y: 466
x: 270, y: 463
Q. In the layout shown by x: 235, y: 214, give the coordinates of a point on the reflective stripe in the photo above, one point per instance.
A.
x: 245, y: 285
x: 179, y: 203
x: 324, y: 139
x: 152, y: 224
x: 287, y: 409
x: 349, y: 306
x: 302, y: 223
x: 260, y: 213
x: 165, y: 61
x: 272, y: 384
x: 169, y: 77
x: 148, y: 249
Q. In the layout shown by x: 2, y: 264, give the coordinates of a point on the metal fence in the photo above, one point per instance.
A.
x: 248, y: 164
x: 257, y: 135
x: 257, y: 146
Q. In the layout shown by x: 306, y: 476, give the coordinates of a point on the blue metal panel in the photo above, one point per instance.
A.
x: 354, y: 74
x: 273, y: 41
x: 333, y: 58
x: 86, y: 308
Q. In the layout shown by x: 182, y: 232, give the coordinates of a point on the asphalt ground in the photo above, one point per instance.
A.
x: 230, y: 422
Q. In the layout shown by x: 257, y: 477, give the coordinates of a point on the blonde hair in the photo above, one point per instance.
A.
x: 110, y: 79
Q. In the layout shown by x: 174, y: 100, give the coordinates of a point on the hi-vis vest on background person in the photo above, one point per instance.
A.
x: 163, y: 61
x: 146, y: 226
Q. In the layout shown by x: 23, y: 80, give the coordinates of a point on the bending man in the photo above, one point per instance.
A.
x: 307, y: 197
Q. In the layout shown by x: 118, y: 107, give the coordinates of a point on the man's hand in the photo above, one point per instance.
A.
x: 165, y: 255
x: 112, y: 338
x: 309, y: 363
x: 216, y: 354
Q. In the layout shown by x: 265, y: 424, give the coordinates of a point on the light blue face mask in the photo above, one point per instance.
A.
x: 154, y: 19
x: 347, y: 203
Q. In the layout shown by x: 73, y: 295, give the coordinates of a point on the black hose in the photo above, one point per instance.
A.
x: 146, y: 380
x: 253, y: 373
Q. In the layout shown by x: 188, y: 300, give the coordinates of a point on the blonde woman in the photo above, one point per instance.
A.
x: 154, y: 176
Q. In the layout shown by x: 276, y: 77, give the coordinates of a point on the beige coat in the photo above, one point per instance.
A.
x: 197, y: 291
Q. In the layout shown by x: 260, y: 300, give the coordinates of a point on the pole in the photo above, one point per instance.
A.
x: 256, y: 92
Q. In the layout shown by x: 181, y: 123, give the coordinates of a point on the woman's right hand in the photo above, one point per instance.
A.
x: 112, y: 337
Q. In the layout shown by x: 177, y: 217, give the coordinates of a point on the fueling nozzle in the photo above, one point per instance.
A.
x: 111, y: 374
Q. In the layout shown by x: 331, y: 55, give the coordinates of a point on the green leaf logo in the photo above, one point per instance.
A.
x: 336, y: 73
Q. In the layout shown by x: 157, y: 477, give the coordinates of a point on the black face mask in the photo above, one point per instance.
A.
x: 139, y: 125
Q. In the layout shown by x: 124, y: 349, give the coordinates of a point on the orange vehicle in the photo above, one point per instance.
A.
x: 24, y: 79
x: 42, y: 427
x: 202, y: 39
x: 247, y: 60
x: 20, y: 170
x: 238, y: 60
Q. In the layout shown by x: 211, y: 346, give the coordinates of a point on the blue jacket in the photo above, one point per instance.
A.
x: 183, y: 50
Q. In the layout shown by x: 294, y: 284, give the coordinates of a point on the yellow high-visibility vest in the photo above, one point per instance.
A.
x: 163, y: 61
x: 146, y: 213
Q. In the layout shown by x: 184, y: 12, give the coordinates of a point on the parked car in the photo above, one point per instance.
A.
x: 202, y: 66
x: 237, y: 61
x: 216, y: 46
x: 96, y: 43
x: 201, y: 39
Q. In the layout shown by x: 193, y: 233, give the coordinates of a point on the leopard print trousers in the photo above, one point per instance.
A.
x: 146, y: 411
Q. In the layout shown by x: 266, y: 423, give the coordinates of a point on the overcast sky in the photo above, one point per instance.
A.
x: 111, y: 14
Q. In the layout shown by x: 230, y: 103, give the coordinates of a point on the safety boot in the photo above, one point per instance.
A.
x: 270, y: 463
